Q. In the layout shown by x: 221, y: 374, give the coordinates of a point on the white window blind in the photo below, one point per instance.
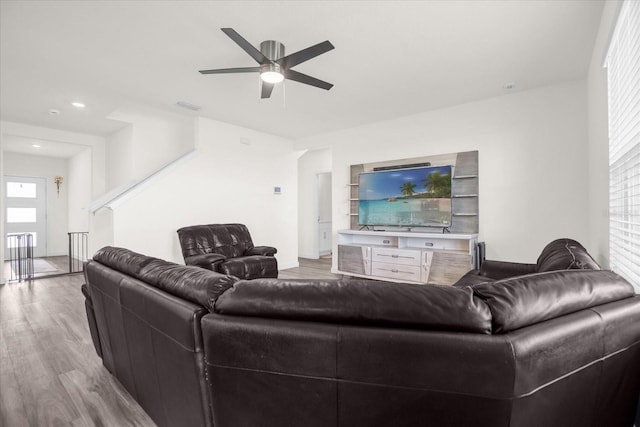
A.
x: 623, y: 75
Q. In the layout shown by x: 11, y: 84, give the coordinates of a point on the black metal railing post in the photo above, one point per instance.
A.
x: 78, y: 248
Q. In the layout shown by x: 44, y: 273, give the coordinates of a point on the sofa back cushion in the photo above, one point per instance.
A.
x: 230, y: 240
x: 358, y: 302
x: 526, y: 300
x: 191, y: 283
x: 565, y: 254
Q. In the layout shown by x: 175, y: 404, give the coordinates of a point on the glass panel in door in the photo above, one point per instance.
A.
x: 25, y: 211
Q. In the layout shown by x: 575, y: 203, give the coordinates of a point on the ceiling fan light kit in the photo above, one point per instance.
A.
x: 270, y: 73
x: 274, y: 65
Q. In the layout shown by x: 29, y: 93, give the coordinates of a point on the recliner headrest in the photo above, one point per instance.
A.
x: 230, y: 240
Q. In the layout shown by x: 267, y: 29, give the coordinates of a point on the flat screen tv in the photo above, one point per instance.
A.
x: 418, y: 197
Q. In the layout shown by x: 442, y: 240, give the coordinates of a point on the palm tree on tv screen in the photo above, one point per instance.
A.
x: 438, y: 185
x: 408, y: 189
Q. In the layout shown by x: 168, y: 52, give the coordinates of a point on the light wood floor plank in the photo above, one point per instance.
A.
x: 101, y: 400
x: 45, y: 401
x: 12, y: 410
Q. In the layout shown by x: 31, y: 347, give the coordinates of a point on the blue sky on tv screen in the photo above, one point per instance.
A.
x: 382, y: 185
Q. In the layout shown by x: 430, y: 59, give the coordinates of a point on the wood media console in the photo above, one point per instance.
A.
x: 413, y: 257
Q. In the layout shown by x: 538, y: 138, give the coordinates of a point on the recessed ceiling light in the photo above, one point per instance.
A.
x: 78, y: 104
x: 54, y: 112
x: 35, y: 145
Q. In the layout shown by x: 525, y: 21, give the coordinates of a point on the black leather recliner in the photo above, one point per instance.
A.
x: 227, y: 249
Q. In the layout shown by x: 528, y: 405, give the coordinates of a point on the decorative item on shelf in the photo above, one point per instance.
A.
x: 58, y: 181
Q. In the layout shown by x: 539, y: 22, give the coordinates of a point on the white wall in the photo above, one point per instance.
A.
x: 309, y: 165
x: 149, y: 141
x: 598, y: 148
x: 533, y: 163
x: 100, y: 230
x: 230, y: 178
x: 57, y: 205
x: 152, y: 139
x: 119, y: 158
x: 79, y: 187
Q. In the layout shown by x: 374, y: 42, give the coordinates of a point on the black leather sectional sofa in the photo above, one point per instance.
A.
x: 197, y: 348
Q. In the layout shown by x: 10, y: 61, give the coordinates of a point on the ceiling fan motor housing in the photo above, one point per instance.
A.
x: 272, y: 49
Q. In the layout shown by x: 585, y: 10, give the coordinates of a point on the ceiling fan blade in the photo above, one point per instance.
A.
x: 267, y: 88
x: 305, y: 54
x: 231, y: 70
x: 246, y: 46
x: 303, y: 78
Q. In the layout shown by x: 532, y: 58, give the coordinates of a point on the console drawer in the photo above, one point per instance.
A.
x: 396, y: 256
x: 396, y: 271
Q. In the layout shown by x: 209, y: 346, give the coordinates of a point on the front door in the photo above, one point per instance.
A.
x: 26, y: 211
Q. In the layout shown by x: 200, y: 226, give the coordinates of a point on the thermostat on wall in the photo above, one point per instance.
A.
x: 277, y: 190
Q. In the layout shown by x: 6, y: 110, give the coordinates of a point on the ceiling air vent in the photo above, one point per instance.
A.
x: 188, y: 106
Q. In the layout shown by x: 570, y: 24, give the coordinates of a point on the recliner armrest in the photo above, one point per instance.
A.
x: 207, y: 261
x: 503, y: 270
x: 261, y: 250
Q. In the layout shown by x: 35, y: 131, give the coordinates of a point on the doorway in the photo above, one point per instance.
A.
x: 324, y: 208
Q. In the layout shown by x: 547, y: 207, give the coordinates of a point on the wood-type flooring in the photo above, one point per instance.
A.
x: 50, y: 374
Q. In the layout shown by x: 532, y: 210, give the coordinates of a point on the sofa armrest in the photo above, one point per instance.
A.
x: 207, y: 261
x: 261, y: 250
x: 503, y: 270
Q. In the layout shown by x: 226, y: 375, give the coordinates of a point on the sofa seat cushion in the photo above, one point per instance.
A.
x: 361, y: 302
x: 565, y: 254
x: 525, y: 300
x: 250, y: 267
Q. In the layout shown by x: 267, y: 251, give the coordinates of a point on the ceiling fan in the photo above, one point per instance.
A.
x: 274, y: 66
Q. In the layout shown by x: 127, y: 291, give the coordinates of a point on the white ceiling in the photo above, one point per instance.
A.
x: 40, y: 147
x: 391, y: 59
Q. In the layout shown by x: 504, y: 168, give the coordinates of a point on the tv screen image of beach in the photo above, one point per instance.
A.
x: 406, y: 197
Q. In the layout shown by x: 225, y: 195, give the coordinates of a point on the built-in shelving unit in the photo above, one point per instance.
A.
x: 465, y: 194
x: 464, y: 188
x: 420, y: 255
